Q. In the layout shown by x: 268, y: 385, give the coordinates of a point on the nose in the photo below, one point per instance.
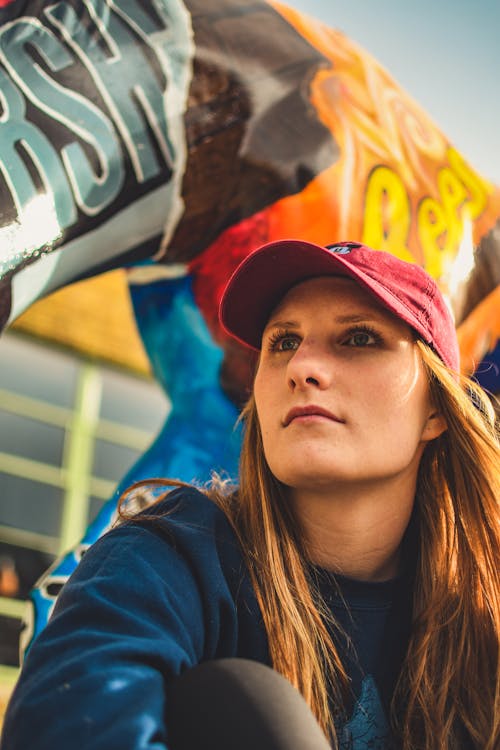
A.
x: 309, y: 367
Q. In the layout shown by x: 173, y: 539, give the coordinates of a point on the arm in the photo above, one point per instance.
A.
x: 130, y: 618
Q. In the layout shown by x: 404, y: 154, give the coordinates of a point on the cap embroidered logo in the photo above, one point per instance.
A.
x: 342, y: 249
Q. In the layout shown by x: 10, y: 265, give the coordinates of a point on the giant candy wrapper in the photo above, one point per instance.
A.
x: 172, y: 138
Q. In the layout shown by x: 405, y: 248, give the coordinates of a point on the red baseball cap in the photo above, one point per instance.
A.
x: 265, y: 276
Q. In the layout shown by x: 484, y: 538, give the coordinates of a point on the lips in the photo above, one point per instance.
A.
x: 309, y: 411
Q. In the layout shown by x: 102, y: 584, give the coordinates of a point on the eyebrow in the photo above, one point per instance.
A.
x: 359, y: 318
x: 342, y: 319
x: 281, y: 324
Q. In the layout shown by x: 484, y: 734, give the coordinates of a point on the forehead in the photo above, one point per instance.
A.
x: 336, y: 293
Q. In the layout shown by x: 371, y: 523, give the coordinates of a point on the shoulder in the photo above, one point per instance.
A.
x: 179, y: 554
x: 185, y: 515
x: 186, y: 504
x: 185, y: 534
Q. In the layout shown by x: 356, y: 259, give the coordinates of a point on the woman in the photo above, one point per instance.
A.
x: 358, y: 556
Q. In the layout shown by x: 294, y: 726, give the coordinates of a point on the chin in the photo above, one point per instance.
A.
x: 311, y: 478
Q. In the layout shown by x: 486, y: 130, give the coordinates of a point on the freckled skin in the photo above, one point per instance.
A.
x: 345, y: 353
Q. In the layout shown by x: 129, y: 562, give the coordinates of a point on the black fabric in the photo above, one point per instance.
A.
x: 237, y: 703
x: 374, y: 620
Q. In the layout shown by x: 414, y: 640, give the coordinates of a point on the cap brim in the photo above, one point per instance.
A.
x: 265, y: 276
x: 403, y: 288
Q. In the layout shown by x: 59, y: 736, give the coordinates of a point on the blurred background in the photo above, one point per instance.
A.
x: 446, y: 55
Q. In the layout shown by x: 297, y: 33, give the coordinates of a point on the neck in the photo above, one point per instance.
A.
x: 354, y: 531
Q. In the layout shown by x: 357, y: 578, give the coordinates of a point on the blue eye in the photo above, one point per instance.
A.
x: 363, y: 337
x: 282, y: 341
x: 288, y: 344
x: 360, y: 339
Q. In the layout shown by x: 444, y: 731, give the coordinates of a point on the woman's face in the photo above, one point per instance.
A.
x: 340, y: 390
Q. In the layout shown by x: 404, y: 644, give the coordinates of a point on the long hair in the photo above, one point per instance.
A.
x: 448, y: 691
x: 449, y: 681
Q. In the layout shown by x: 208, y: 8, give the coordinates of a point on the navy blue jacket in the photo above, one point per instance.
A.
x: 149, y: 599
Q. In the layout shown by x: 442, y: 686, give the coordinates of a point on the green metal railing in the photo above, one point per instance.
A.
x: 82, y: 428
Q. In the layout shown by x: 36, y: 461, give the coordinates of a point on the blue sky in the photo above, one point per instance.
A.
x: 445, y: 53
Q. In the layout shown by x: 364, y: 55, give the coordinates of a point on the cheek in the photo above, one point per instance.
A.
x: 406, y: 405
x: 402, y: 399
x: 261, y: 396
x: 266, y: 388
x: 269, y: 407
x: 258, y: 392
